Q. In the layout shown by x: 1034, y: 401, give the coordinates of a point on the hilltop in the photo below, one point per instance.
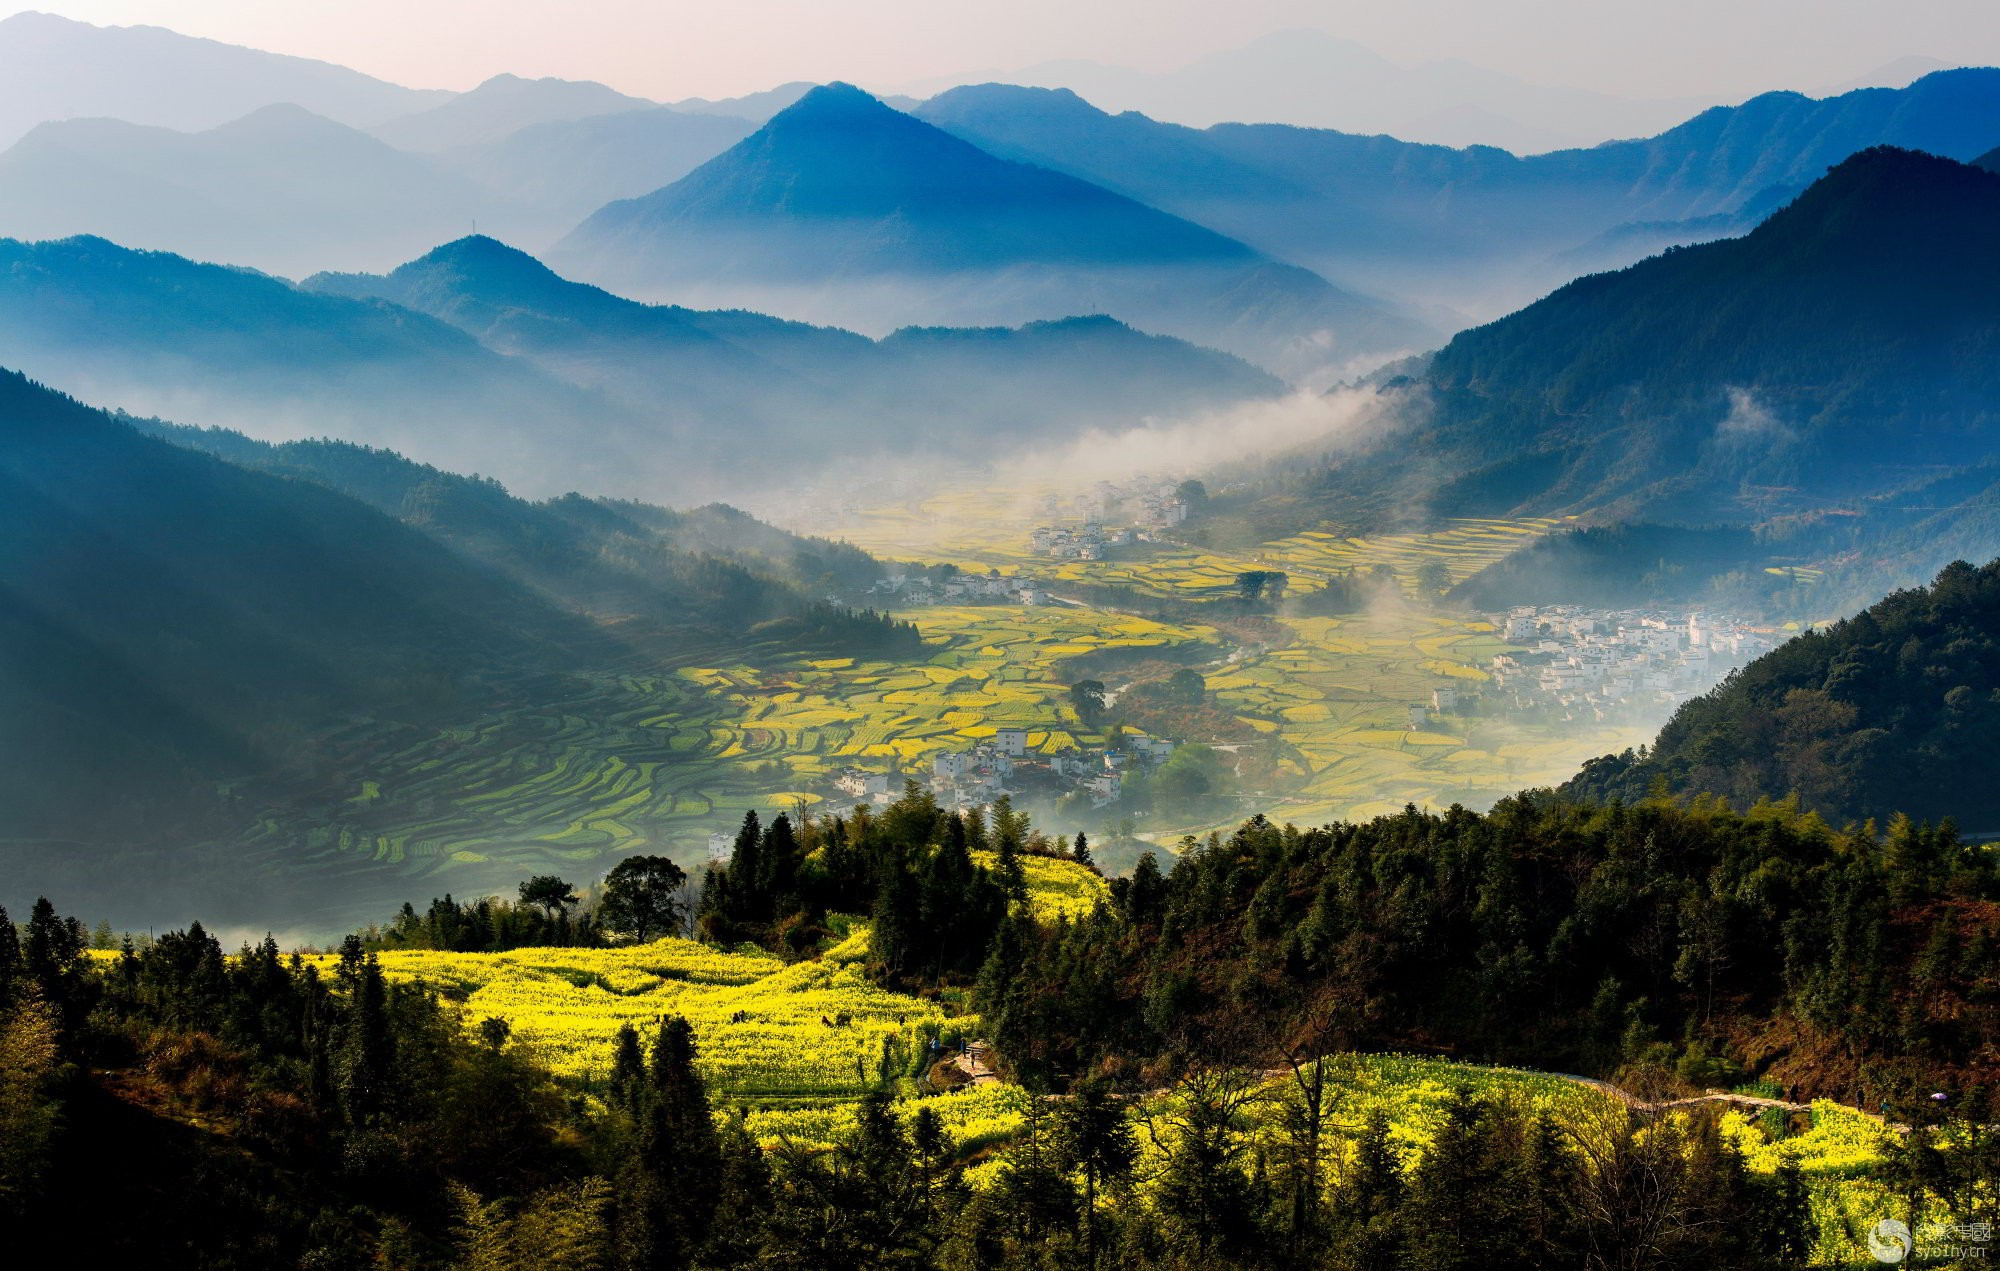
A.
x: 843, y: 209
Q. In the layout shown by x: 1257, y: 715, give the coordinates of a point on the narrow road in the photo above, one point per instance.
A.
x: 974, y: 1062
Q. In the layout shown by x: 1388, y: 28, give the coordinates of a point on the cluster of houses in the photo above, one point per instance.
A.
x: 1598, y: 664
x: 1085, y: 542
x: 1003, y: 764
x: 1145, y: 502
x: 1444, y: 701
x: 980, y: 774
x: 923, y: 589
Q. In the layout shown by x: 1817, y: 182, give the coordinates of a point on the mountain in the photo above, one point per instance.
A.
x: 758, y: 108
x: 281, y: 189
x: 1834, y: 372
x: 843, y: 210
x: 477, y: 358
x: 52, y: 68
x: 724, y: 381
x: 1477, y: 230
x: 547, y: 177
x: 167, y: 619
x: 654, y: 576
x: 171, y: 620
x: 1989, y: 161
x: 501, y: 106
x: 161, y: 335
x: 1896, y: 708
x: 1310, y: 79
x: 1898, y: 73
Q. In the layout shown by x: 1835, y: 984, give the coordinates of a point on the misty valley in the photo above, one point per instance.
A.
x: 985, y: 677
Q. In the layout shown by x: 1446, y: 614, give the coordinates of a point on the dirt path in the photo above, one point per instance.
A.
x: 975, y: 1062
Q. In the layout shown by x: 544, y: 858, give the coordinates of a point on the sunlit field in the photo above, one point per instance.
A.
x: 812, y: 1030
x: 596, y: 766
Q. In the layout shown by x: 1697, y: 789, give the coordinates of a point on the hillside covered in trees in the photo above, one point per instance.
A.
x: 1895, y: 709
x: 1826, y: 380
x: 173, y: 625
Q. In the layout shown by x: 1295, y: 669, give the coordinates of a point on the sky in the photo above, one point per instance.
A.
x: 669, y: 49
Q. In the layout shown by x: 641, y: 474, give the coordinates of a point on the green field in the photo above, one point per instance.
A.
x: 591, y: 766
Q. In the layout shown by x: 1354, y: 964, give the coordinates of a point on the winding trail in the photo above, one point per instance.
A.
x: 975, y: 1062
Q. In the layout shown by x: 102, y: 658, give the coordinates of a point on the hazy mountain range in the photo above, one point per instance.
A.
x: 1837, y: 367
x: 499, y: 366
x: 843, y: 210
x: 1339, y: 245
x: 1478, y: 230
x: 52, y: 68
x: 1311, y: 79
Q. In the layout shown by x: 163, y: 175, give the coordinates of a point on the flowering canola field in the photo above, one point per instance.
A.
x: 767, y: 1030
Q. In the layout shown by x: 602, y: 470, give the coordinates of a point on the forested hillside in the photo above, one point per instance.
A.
x: 1896, y: 709
x: 660, y: 574
x: 1842, y: 349
x: 171, y: 617
x: 1821, y: 391
x: 179, y: 634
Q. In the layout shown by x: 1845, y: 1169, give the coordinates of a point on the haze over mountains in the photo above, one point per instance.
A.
x: 843, y: 210
x: 52, y: 68
x: 1829, y: 379
x: 1477, y: 230
x: 169, y: 620
x: 552, y: 385
x: 823, y: 287
x: 1311, y: 79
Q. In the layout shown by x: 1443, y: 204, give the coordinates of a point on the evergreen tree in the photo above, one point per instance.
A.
x: 628, y: 1069
x: 1094, y: 1137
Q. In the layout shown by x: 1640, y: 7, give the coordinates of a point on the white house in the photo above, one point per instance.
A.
x: 857, y: 784
x: 1012, y: 742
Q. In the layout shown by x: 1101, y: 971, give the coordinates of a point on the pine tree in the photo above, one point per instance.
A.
x: 628, y: 1069
x: 1094, y: 1137
x: 672, y: 1182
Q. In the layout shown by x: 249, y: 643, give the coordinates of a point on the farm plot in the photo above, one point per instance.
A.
x: 767, y: 1030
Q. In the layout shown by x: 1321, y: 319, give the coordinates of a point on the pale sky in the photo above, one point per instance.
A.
x: 667, y: 49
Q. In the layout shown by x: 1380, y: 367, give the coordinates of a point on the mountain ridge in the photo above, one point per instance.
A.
x: 859, y: 214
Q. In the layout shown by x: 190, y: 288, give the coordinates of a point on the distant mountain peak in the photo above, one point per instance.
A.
x: 832, y: 104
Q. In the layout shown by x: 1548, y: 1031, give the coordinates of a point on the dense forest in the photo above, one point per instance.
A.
x: 254, y: 1111
x: 1895, y: 708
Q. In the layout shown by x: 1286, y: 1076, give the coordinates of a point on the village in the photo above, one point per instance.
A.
x: 1603, y: 665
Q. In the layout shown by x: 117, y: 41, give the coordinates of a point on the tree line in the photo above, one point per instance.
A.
x: 251, y: 1111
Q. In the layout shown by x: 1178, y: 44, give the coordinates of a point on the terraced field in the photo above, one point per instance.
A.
x: 586, y: 768
x: 988, y: 529
x: 566, y: 1005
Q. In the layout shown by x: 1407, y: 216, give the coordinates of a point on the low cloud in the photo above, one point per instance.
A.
x: 1302, y: 423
